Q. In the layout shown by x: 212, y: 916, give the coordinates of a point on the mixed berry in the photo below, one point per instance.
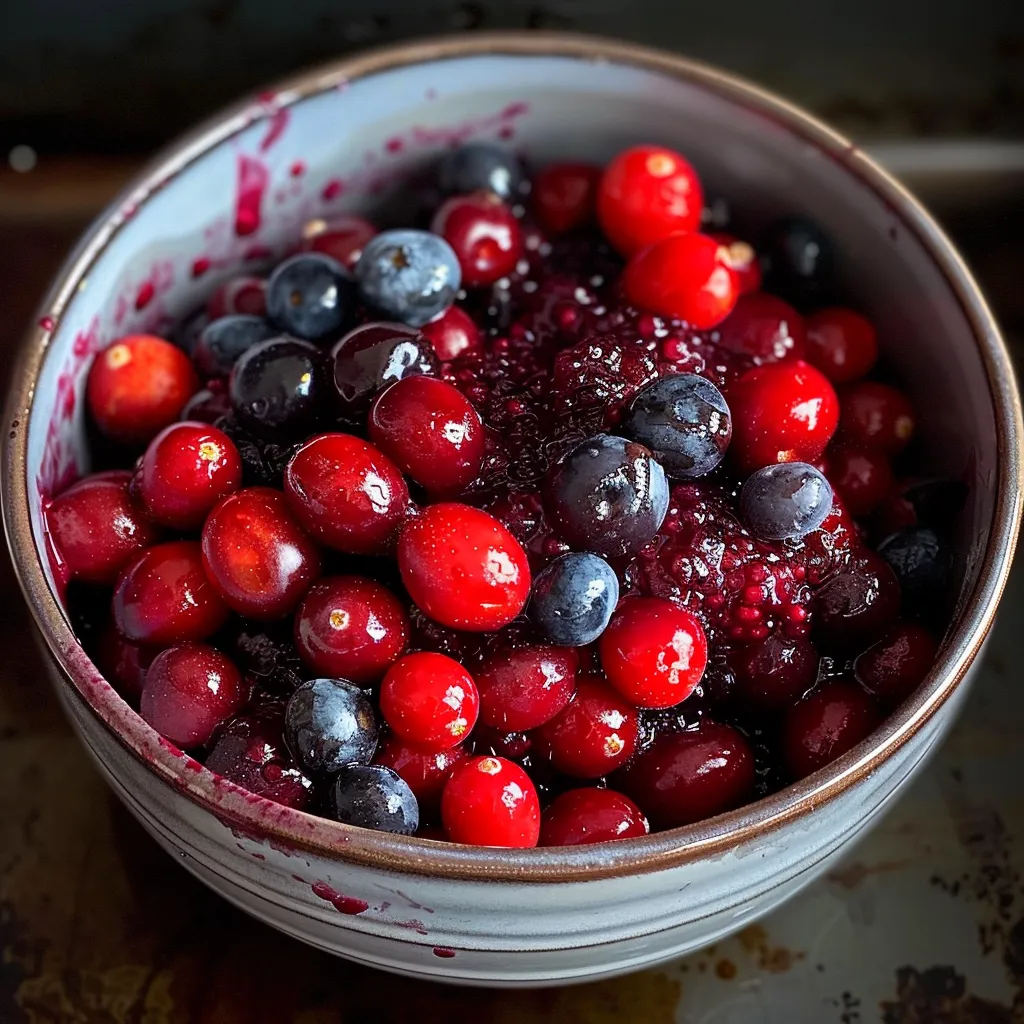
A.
x: 551, y: 518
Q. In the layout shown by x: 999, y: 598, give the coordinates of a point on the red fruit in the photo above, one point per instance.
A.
x: 185, y: 471
x: 347, y: 493
x: 894, y: 667
x: 564, y: 196
x: 764, y: 328
x: 429, y: 700
x: 431, y: 431
x: 829, y: 548
x: 489, y: 801
x: 591, y: 816
x: 522, y: 688
x: 190, y: 691
x: 854, y: 607
x: 781, y: 412
x: 841, y: 343
x: 743, y: 259
x: 653, y: 652
x: 646, y: 194
x: 513, y: 745
x: 454, y: 333
x: 683, y: 276
x: 876, y: 416
x: 123, y: 663
x: 97, y: 528
x: 426, y: 773
x: 484, y: 233
x: 165, y: 597
x: 774, y: 673
x: 684, y: 777
x: 239, y: 295
x: 342, y: 238
x: 349, y: 627
x: 863, y: 477
x: 256, y: 555
x: 825, y: 726
x: 463, y: 568
x: 137, y: 386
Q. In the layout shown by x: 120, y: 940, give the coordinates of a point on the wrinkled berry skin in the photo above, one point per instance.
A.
x: 328, y: 724
x: 373, y: 796
x: 786, y: 501
x: 573, y: 598
x: 479, y: 166
x: 310, y: 296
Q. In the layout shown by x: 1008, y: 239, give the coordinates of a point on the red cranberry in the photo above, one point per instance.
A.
x: 342, y: 238
x: 429, y: 700
x: 454, y: 333
x: 646, y: 194
x: 653, y: 652
x: 123, y: 664
x: 347, y: 493
x: 774, y: 673
x: 782, y: 412
x: 683, y: 777
x: 743, y: 259
x: 764, y: 328
x: 165, y: 597
x: 256, y: 555
x: 591, y: 816
x: 876, y: 416
x: 484, y: 234
x: 97, y: 528
x: 463, y: 568
x: 186, y: 470
x: 564, y: 196
x: 830, y: 547
x: 894, y: 667
x: 863, y: 477
x: 841, y: 343
x: 854, y: 607
x: 137, y: 386
x: 431, y: 431
x: 523, y: 688
x: 239, y: 295
x: 489, y: 801
x: 425, y: 773
x: 349, y: 627
x: 825, y: 726
x: 190, y: 691
x: 684, y: 277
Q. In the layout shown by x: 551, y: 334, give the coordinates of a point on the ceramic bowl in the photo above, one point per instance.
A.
x: 346, y: 137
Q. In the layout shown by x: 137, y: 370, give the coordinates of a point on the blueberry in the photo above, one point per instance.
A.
x: 409, y: 275
x: 481, y: 165
x: 922, y: 561
x: 573, y: 598
x: 785, y: 502
x: 374, y: 796
x: 685, y: 421
x: 276, y: 388
x: 221, y: 342
x: 187, y: 334
x: 311, y: 296
x: 608, y: 495
x: 329, y: 723
x: 800, y: 261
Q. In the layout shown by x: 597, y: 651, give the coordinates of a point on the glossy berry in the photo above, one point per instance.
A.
x: 463, y: 568
x: 137, y: 386
x: 646, y: 194
x: 524, y: 687
x: 489, y: 801
x: 410, y: 276
x: 186, y: 469
x: 608, y: 495
x: 477, y: 166
x: 452, y: 334
x: 743, y: 259
x: 841, y: 343
x: 350, y: 627
x: 573, y: 598
x: 591, y: 816
x: 685, y: 421
x: 372, y: 796
x: 256, y: 555
x: 123, y: 663
x: 245, y: 294
x: 164, y: 596
x: 346, y: 493
x: 785, y: 501
x: 432, y: 433
x: 484, y: 235
x: 190, y: 691
x: 329, y: 723
x: 764, y: 328
x: 222, y: 341
x: 922, y: 561
x: 781, y: 412
x: 862, y: 476
x: 685, y: 277
x: 425, y: 772
x: 774, y: 673
x: 653, y: 652
x: 854, y: 607
x: 564, y: 196
x: 801, y: 261
x: 342, y: 238
x: 97, y: 527
x: 310, y: 296
x: 894, y: 667
x: 876, y: 416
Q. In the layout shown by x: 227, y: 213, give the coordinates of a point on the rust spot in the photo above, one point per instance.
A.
x: 939, y: 995
x: 774, y: 959
x: 725, y: 969
x: 851, y: 875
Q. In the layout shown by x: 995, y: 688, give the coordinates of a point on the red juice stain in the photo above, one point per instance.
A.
x: 144, y: 296
x: 259, y: 856
x: 414, y: 926
x: 252, y: 183
x: 275, y: 128
x: 333, y: 189
x: 343, y: 904
x: 514, y: 110
x: 395, y: 145
x: 297, y: 169
x: 444, y: 952
x: 506, y: 132
x: 201, y: 266
x: 46, y: 323
x: 299, y: 878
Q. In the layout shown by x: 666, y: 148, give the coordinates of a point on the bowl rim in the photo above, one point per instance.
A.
x: 265, y: 821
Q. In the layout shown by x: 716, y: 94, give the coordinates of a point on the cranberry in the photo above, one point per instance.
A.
x: 829, y: 548
x: 424, y: 773
x: 893, y: 667
x: 190, y: 691
x: 489, y: 801
x: 123, y: 664
x: 825, y: 726
x: 876, y: 416
x: 653, y: 652
x: 463, y: 567
x: 484, y: 234
x: 137, y: 386
x: 841, y: 343
x: 347, y: 493
x: 743, y: 259
x: 523, y: 688
x: 685, y: 277
x: 244, y: 294
x: 165, y: 597
x: 683, y: 777
x: 774, y: 673
x: 595, y: 734
x: 764, y: 328
x: 97, y: 528
x: 185, y: 471
x: 863, y: 477
x: 351, y: 628
x: 647, y: 193
x: 431, y: 431
x: 342, y: 238
x: 781, y: 412
x: 513, y: 745
x: 255, y: 554
x: 564, y: 196
x: 591, y: 816
x: 854, y: 607
x: 454, y: 333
